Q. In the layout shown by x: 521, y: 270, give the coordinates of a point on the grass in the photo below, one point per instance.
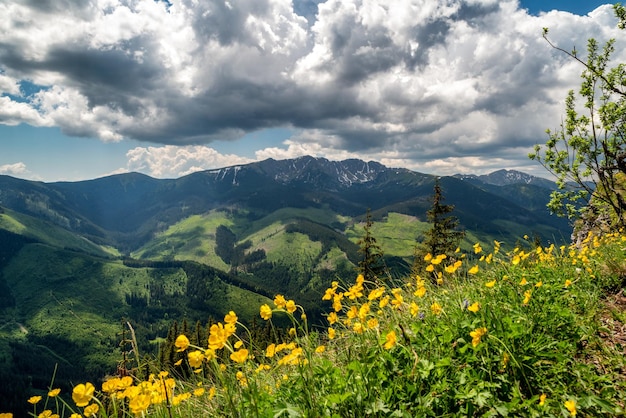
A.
x: 397, y: 234
x: 193, y: 238
x: 50, y: 234
x: 522, y: 333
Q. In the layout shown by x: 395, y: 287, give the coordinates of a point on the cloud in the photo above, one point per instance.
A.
x: 175, y: 161
x: 18, y: 170
x: 413, y: 81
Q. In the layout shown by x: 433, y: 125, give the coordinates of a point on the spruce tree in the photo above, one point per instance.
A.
x: 372, y: 265
x: 444, y: 235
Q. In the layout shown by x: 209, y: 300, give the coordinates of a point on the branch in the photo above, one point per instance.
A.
x: 575, y: 57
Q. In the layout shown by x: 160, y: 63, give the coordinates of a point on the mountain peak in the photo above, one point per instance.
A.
x: 506, y: 177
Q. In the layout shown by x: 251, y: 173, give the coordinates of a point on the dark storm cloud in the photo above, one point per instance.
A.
x: 107, y: 77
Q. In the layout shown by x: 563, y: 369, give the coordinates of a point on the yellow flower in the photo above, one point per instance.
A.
x: 139, y: 403
x: 270, y: 350
x: 54, y: 392
x: 527, y: 295
x: 383, y: 302
x: 198, y: 392
x: 355, y: 291
x: 262, y: 367
x: 6, y: 415
x: 476, y: 335
x: 438, y: 259
x: 454, y: 267
x: 490, y: 284
x: 320, y: 349
x: 523, y: 282
x: 230, y: 318
x: 290, y: 306
x: 358, y: 328
x: 436, y: 309
x: 474, y: 307
x: 539, y: 284
x: 182, y: 342
x: 91, y: 410
x: 516, y: 259
x: 279, y: 301
x: 376, y: 293
x: 195, y: 358
x: 439, y: 278
x: 428, y: 257
x: 390, y: 340
x: 331, y: 333
x: 397, y: 301
x: 332, y: 318
x: 568, y: 283
x: 218, y: 334
x: 473, y: 270
x: 363, y: 311
x: 570, y: 405
x: 420, y: 292
x: 337, y: 302
x: 34, y: 400
x: 179, y: 362
x: 542, y: 399
x: 372, y: 323
x: 83, y: 393
x: 47, y: 414
x: 209, y: 354
x: 243, y: 380
x: 430, y: 268
x: 477, y: 248
x: 239, y: 356
x: 266, y: 312
x: 414, y: 309
x: 292, y: 332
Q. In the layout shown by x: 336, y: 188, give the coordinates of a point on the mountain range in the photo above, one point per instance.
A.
x: 125, y: 211
x: 77, y: 257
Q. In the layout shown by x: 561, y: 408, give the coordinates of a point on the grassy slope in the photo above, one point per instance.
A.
x: 528, y: 335
x: 50, y: 234
x: 396, y: 235
x: 193, y: 238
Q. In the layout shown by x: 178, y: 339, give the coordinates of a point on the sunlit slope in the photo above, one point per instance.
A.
x: 49, y: 233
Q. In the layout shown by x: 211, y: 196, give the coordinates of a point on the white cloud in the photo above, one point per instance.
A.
x: 172, y: 161
x: 421, y: 80
x: 18, y: 170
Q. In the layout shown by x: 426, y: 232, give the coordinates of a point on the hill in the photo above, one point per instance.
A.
x: 78, y: 258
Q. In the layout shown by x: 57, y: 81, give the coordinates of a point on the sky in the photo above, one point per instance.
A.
x: 166, y: 88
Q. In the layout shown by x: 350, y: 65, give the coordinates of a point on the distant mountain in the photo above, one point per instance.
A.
x: 126, y: 210
x: 506, y: 178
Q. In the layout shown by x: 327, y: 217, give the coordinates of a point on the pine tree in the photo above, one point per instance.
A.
x: 444, y: 234
x: 372, y: 266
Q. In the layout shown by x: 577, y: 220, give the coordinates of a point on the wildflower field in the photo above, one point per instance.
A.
x: 527, y: 332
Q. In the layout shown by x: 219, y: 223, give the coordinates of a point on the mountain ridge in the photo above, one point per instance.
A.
x: 127, y: 209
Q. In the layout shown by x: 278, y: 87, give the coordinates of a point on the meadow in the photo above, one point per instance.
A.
x: 535, y: 331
